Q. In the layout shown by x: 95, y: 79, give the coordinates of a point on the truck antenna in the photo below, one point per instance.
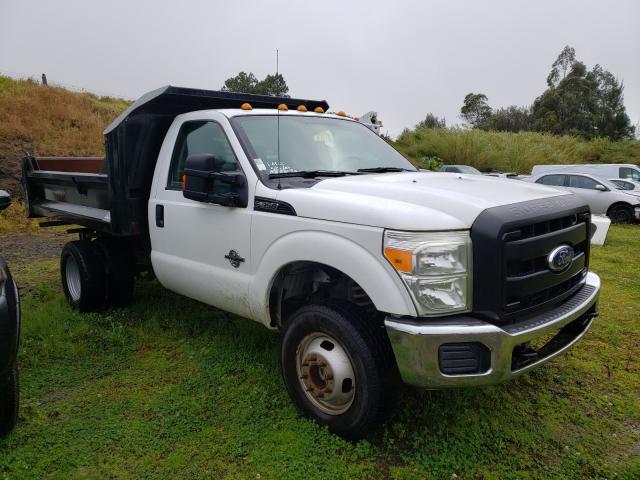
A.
x: 278, y: 121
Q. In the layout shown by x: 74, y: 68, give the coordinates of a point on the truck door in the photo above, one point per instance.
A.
x: 200, y: 250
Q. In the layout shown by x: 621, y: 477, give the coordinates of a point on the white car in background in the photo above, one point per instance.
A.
x: 602, y: 196
x: 626, y: 185
x: 627, y: 171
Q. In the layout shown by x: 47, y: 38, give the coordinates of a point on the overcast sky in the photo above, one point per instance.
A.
x: 402, y: 58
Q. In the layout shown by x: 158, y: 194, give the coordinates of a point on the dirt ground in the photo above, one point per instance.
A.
x: 24, y: 247
x: 33, y: 256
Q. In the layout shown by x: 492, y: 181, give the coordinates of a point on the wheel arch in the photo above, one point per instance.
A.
x: 336, y: 256
x: 619, y: 203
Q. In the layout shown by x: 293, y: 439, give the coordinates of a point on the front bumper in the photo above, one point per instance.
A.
x: 636, y: 210
x: 424, y: 350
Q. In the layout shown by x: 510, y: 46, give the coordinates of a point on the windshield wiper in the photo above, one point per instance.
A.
x: 384, y: 169
x: 312, y: 174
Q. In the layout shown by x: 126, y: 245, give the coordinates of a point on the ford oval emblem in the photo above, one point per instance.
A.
x: 560, y: 258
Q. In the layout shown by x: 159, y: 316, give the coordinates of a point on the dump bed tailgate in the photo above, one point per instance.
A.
x: 69, y: 189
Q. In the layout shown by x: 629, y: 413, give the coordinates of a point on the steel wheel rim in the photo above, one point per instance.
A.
x: 325, y: 373
x: 72, y: 275
x: 621, y: 216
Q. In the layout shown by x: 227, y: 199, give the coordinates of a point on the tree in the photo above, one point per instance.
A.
x: 249, y: 83
x: 475, y: 109
x: 432, y: 121
x: 611, y: 118
x: 510, y: 119
x: 273, y: 85
x: 568, y: 107
x: 561, y: 66
x: 581, y: 102
x: 241, y: 83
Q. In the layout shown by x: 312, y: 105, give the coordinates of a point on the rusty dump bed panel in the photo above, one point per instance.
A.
x: 112, y: 194
x: 70, y: 164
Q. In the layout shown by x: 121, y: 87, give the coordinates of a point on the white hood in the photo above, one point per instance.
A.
x: 410, y: 200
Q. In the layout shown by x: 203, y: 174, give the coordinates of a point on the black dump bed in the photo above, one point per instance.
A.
x: 111, y: 194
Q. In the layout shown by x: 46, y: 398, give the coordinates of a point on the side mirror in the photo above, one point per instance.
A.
x: 204, y: 181
x: 601, y: 187
x: 5, y: 200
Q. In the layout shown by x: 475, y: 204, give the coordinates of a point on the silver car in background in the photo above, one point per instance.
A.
x: 602, y: 196
x: 628, y: 186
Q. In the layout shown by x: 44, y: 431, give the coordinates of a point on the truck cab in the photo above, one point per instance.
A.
x: 311, y: 224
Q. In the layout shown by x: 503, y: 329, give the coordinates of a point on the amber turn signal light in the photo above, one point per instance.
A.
x: 402, y: 260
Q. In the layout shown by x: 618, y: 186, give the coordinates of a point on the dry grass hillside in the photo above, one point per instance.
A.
x: 49, y: 121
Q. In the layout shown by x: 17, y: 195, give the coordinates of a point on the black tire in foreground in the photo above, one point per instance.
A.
x: 120, y: 264
x: 9, y: 340
x: 621, y: 214
x: 83, y: 275
x: 338, y: 367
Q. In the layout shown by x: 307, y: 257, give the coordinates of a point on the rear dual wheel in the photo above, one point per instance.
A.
x: 96, y: 274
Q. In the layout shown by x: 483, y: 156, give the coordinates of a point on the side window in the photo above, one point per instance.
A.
x: 578, y: 181
x: 630, y: 173
x: 553, y: 180
x: 199, y: 137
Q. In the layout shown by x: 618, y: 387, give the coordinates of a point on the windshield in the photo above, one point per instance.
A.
x: 315, y: 143
x: 622, y: 185
x: 469, y: 170
x: 609, y: 184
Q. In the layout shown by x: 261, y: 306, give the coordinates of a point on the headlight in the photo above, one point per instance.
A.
x: 435, y: 268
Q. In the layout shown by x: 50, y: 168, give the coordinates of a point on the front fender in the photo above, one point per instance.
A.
x: 376, y: 277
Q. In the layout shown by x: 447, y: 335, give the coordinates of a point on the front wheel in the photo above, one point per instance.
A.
x: 621, y: 214
x: 338, y: 367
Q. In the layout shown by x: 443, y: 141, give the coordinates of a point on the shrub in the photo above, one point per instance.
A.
x: 512, y: 152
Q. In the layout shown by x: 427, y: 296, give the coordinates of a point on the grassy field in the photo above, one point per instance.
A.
x: 171, y: 388
x: 511, y: 152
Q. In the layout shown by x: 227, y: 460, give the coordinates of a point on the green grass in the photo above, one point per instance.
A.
x: 511, y: 152
x: 168, y: 388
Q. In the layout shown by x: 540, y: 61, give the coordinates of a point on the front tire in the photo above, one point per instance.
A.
x: 338, y: 367
x: 83, y: 275
x: 621, y: 214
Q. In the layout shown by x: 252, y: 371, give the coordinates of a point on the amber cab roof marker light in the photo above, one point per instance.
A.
x: 246, y: 106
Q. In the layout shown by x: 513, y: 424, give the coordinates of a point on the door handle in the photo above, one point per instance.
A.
x: 160, y: 216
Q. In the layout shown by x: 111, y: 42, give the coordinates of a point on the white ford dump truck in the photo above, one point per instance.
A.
x: 311, y: 224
